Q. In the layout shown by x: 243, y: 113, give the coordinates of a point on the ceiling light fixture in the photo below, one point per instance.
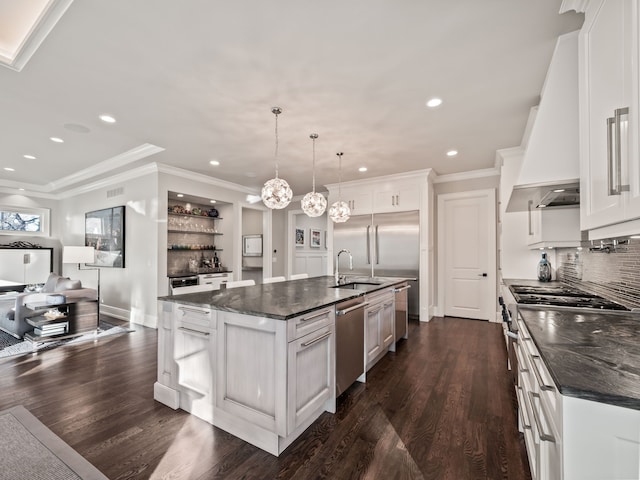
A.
x: 9, y: 169
x: 339, y: 211
x: 212, y: 201
x: 107, y: 119
x: 179, y: 195
x: 362, y: 169
x: 452, y: 153
x: 276, y: 192
x: 29, y: 157
x: 215, y: 163
x: 314, y: 204
x: 434, y: 102
x: 56, y: 139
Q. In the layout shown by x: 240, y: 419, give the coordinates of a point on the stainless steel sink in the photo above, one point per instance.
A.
x: 356, y: 285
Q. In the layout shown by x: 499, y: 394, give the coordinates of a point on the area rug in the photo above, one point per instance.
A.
x: 12, y: 346
x: 29, y: 450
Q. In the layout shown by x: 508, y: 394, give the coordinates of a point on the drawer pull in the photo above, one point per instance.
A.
x: 538, y: 375
x: 186, y: 310
x: 313, y: 317
x: 523, y: 407
x: 546, y: 437
x: 191, y: 331
x: 316, y: 340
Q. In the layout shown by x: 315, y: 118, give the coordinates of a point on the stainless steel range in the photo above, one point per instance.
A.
x: 561, y: 296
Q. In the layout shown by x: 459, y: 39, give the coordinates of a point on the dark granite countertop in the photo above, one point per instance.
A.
x: 591, y: 355
x: 282, y: 300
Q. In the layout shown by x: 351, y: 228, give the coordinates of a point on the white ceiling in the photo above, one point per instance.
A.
x: 198, y: 78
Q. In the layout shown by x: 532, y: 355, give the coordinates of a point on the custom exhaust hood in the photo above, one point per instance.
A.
x: 550, y: 173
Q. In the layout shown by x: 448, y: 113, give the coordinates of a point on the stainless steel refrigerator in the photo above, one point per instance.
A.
x: 382, y: 245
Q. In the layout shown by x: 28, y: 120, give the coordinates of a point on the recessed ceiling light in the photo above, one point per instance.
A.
x: 434, y: 102
x: 21, y: 189
x: 56, y: 139
x: 9, y: 169
x: 180, y: 195
x: 362, y: 169
x: 212, y: 201
x: 29, y: 157
x: 634, y: 236
x: 215, y: 163
x: 452, y: 153
x: 558, y: 190
x: 107, y: 119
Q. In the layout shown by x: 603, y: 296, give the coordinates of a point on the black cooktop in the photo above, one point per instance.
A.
x: 562, y: 296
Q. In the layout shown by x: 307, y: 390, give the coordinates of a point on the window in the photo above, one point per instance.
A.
x: 24, y: 221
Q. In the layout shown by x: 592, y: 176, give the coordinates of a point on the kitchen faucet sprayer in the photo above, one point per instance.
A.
x: 337, y: 274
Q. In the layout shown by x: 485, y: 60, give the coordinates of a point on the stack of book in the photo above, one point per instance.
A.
x: 50, y: 329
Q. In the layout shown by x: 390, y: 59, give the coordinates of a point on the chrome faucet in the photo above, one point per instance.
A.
x: 337, y: 274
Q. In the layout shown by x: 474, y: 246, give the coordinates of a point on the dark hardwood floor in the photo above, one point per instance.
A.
x: 441, y: 407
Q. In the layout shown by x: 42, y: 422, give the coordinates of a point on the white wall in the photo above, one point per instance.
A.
x: 129, y: 293
x: 307, y: 259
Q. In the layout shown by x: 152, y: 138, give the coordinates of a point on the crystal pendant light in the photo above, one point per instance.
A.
x: 276, y: 192
x: 339, y: 211
x: 314, y: 204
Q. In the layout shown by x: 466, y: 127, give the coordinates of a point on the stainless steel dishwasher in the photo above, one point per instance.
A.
x: 349, y: 342
x: 402, y: 311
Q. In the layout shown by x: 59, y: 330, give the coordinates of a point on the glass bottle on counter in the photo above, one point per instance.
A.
x: 544, y: 269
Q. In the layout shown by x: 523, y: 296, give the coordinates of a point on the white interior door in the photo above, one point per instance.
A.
x: 467, y: 254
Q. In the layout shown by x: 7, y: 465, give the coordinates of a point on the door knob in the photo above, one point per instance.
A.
x: 482, y: 274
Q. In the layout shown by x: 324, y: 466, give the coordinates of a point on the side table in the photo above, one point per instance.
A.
x: 77, y: 316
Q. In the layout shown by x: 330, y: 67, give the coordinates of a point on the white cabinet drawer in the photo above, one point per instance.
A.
x: 310, y: 322
x: 195, y: 315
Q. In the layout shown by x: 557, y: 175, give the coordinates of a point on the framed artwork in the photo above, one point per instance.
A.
x: 104, y: 230
x: 315, y: 238
x: 299, y: 237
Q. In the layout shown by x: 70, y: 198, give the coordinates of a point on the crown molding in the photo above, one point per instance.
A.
x: 106, y: 166
x: 507, y: 153
x: 580, y: 6
x: 200, y: 177
x: 109, y: 181
x: 40, y: 29
x: 394, y: 177
x: 470, y: 175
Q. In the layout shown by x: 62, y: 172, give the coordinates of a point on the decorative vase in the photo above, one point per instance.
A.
x: 544, y: 269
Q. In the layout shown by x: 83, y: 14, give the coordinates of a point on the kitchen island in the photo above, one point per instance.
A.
x: 258, y: 361
x: 579, y: 392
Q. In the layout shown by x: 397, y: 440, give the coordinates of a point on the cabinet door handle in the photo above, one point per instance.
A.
x: 538, y: 375
x: 351, y: 309
x: 353, y: 204
x: 316, y: 340
x: 406, y: 287
x: 393, y: 200
x: 368, y: 244
x: 191, y: 331
x: 377, y: 249
x: 546, y: 437
x: 529, y: 206
x: 618, y: 113
x: 397, y: 200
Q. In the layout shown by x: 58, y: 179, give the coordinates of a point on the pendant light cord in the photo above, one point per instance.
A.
x: 339, y: 154
x: 313, y: 137
x: 276, y: 152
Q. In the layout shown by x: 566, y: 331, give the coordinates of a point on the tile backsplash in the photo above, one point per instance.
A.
x: 615, y: 275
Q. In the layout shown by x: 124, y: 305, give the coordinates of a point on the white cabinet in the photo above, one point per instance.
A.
x: 25, y: 265
x: 385, y: 194
x: 379, y: 325
x: 310, y: 375
x: 398, y: 198
x: 554, y: 227
x: 359, y: 201
x: 609, y: 127
x: 567, y: 437
x: 194, y: 353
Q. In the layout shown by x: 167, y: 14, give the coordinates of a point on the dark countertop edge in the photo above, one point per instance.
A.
x: 193, y: 274
x: 260, y: 314
x: 356, y: 294
x: 581, y: 393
